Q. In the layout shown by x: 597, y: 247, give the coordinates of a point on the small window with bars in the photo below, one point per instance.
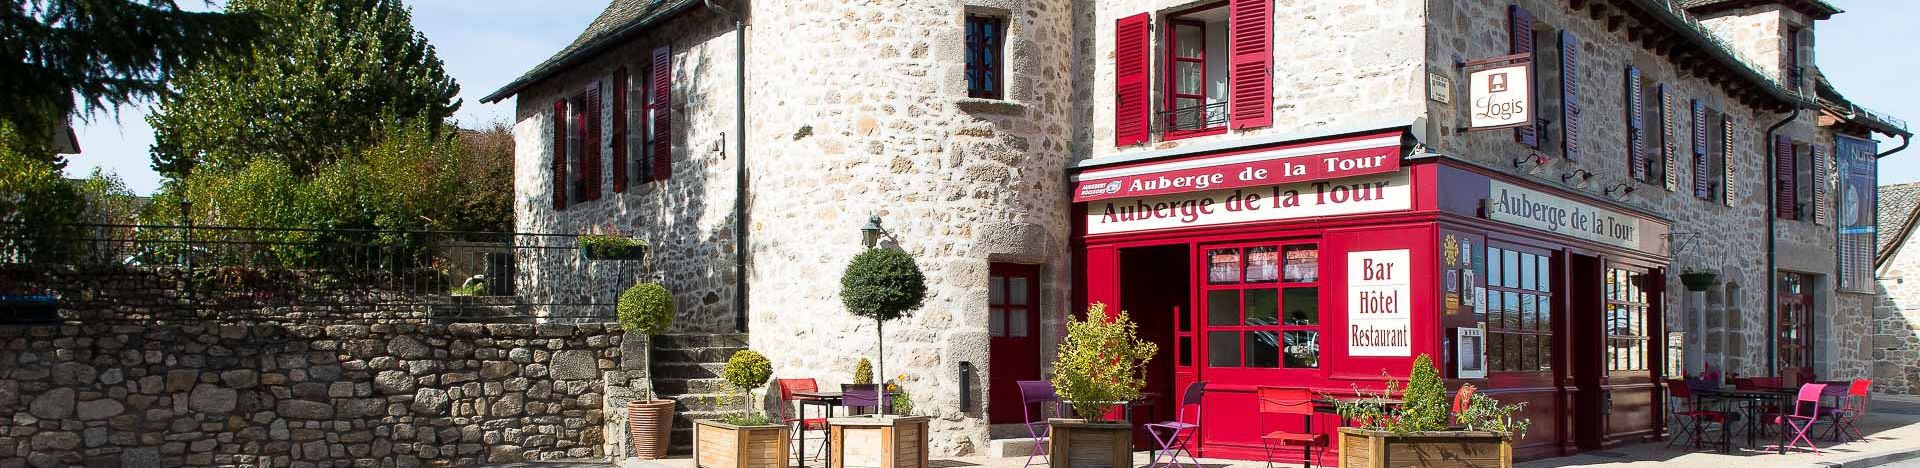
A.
x: 986, y: 46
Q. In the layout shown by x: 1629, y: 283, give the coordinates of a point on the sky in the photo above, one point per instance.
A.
x: 1865, y: 52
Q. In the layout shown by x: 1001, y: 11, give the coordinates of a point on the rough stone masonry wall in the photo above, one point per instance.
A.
x: 303, y: 395
x: 1896, y: 324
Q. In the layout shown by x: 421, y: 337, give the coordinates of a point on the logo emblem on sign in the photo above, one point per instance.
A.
x: 1497, y: 82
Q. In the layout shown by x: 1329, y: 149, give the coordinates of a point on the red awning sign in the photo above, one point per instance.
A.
x: 1374, y: 153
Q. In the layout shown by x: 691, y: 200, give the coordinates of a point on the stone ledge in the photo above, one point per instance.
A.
x: 991, y: 106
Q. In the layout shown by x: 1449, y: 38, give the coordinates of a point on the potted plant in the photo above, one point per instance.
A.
x: 647, y: 309
x: 863, y: 372
x: 1698, y: 280
x: 745, y: 439
x: 607, y: 243
x: 1102, y: 362
x: 1416, y: 432
x: 897, y: 440
x: 882, y: 284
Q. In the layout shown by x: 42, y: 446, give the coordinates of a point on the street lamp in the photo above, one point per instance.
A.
x: 870, y: 233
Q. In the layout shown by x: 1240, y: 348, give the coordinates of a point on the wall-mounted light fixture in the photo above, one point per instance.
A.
x: 871, y: 233
x: 1532, y: 163
x: 1578, y: 178
x: 1621, y: 190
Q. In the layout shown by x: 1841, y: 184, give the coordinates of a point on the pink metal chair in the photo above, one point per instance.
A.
x: 1853, y: 406
x: 1172, y: 436
x: 1290, y: 401
x: 1034, y: 393
x: 1806, y: 412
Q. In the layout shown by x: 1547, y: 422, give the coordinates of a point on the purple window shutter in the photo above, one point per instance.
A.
x: 1570, y: 95
x: 1520, y: 27
x: 1669, y: 149
x: 1636, y: 127
x: 662, y: 112
x: 1698, y: 118
x: 1783, y: 189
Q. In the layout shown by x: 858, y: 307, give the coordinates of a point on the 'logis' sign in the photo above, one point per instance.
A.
x: 1379, y: 295
x: 1516, y: 205
x: 1369, y: 194
x: 1500, y: 92
x: 1376, y: 153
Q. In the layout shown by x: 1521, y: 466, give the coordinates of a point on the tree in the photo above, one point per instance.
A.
x: 882, y: 284
x: 102, y: 53
x: 323, y: 83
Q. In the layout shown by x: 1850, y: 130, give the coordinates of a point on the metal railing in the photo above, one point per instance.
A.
x: 1192, y: 118
x: 145, y: 273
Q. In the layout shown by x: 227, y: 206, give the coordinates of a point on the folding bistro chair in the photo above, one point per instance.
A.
x: 1806, y: 412
x: 1290, y: 401
x: 1032, y: 394
x: 1172, y: 436
x: 1688, y: 418
x: 860, y: 397
x: 788, y: 387
x: 1853, y: 406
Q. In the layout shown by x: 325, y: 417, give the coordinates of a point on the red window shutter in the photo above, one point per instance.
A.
x: 1132, y: 63
x: 1520, y: 24
x: 1636, y: 127
x: 560, y: 155
x: 1570, y: 95
x: 620, y: 130
x: 591, y: 165
x: 1783, y: 189
x: 1250, y: 24
x: 662, y: 113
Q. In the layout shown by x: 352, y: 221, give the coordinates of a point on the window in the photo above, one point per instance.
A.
x: 1011, y: 301
x: 642, y: 108
x: 1711, y: 160
x: 577, y: 150
x: 1196, y: 83
x: 1790, y: 57
x: 986, y: 42
x: 1803, y: 182
x: 1518, y: 311
x: 1263, y: 306
x: 1626, y: 320
x: 1547, y: 78
x: 1646, y: 140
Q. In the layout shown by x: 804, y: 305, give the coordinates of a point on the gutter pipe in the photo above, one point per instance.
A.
x: 739, y: 166
x: 1773, y: 218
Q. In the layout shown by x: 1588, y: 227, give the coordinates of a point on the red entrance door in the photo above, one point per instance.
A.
x: 1013, y: 291
x: 1795, y: 322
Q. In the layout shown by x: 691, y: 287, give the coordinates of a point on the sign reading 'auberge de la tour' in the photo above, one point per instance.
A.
x: 1500, y: 94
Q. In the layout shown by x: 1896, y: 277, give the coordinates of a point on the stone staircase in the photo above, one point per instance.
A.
x: 686, y: 369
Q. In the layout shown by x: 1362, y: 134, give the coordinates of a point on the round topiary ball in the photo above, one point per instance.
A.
x: 747, y: 370
x: 646, y: 308
x: 882, y: 284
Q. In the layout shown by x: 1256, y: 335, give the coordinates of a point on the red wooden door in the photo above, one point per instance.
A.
x: 1795, y: 327
x: 1013, y: 323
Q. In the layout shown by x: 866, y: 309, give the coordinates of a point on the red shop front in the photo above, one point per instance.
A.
x: 1331, y: 263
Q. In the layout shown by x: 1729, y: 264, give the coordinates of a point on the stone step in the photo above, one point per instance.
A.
x: 668, y: 387
x: 692, y: 341
x: 704, y: 402
x: 687, y: 370
x: 720, y: 355
x: 1015, y: 448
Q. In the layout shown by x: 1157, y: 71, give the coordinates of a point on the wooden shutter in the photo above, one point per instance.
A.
x: 590, y: 167
x: 1520, y: 27
x: 560, y: 155
x: 1726, y: 159
x: 1250, y: 24
x: 662, y: 114
x: 620, y: 130
x: 1819, y: 160
x: 1132, y: 67
x: 1669, y: 149
x: 1783, y: 189
x: 1570, y: 95
x: 1636, y: 127
x: 1697, y: 115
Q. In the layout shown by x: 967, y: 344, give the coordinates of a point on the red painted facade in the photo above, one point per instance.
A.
x: 1265, y: 302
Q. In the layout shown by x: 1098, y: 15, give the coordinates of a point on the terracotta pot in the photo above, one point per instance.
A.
x: 649, y: 424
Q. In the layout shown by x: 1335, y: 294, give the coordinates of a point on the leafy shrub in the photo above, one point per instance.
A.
x: 1424, y: 407
x: 882, y: 284
x: 746, y: 370
x: 1101, y: 360
x: 470, y: 289
x: 1483, y: 413
x: 863, y: 372
x: 646, y: 308
x: 611, y: 247
x: 1426, y: 398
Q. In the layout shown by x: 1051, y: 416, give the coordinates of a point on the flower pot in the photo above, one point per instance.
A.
x: 1363, y: 448
x: 720, y: 445
x: 1078, y: 443
x: 649, y: 425
x: 879, y: 441
x: 1698, y: 281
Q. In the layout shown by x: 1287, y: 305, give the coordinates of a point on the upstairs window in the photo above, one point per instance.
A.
x: 577, y: 150
x: 641, y: 113
x: 1195, y: 48
x: 986, y: 45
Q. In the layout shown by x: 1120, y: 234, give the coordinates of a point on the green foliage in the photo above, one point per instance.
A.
x: 1101, y: 361
x: 1426, y: 398
x: 863, y: 372
x: 646, y: 308
x: 747, y: 370
x: 323, y: 83
x: 882, y: 284
x: 902, y: 401
x: 35, y: 201
x: 612, y: 247
x: 474, y: 289
x: 1424, y: 407
x: 101, y: 53
x: 1483, y: 413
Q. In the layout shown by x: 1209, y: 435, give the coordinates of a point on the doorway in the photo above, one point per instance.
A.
x: 1013, y: 324
x: 1794, y: 317
x: 1616, y: 310
x: 1154, y: 286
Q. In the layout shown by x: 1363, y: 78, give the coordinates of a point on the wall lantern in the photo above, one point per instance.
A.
x: 870, y: 233
x: 1532, y: 163
x: 1620, y: 191
x: 1581, y: 174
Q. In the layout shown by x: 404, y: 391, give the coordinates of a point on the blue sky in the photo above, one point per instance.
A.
x: 486, y: 43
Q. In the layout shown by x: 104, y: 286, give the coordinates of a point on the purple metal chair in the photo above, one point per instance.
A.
x: 1174, y: 435
x: 1033, y: 393
x: 861, y: 397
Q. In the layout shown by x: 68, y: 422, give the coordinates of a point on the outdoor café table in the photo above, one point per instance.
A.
x: 826, y: 401
x: 1756, y: 398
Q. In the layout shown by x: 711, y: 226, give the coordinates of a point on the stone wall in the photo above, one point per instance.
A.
x: 1895, y: 337
x: 306, y: 395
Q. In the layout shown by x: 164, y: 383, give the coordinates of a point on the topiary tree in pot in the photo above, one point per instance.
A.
x: 746, y: 439
x: 647, y: 309
x: 882, y: 284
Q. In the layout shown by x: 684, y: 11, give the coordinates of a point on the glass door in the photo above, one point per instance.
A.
x: 1794, y: 319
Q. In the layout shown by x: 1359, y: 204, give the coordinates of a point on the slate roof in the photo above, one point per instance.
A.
x: 1898, y: 204
x: 1818, y: 9
x: 621, y: 19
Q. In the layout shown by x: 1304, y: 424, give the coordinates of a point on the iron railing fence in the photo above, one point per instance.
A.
x: 1194, y: 118
x: 145, y: 273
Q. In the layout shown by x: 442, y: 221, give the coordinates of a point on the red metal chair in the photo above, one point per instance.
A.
x: 1174, y: 435
x: 1853, y: 406
x: 788, y: 387
x: 1033, y: 393
x: 1688, y: 418
x: 1461, y: 400
x: 1290, y: 401
x: 1806, y: 412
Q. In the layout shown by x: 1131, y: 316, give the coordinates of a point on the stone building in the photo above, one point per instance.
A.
x: 989, y: 137
x: 1896, y: 328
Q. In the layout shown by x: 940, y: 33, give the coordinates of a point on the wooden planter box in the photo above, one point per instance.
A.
x: 879, y: 441
x: 1361, y: 448
x: 1076, y: 443
x: 721, y: 445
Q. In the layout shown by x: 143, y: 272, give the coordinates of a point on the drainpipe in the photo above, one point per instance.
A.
x: 739, y: 166
x: 1904, y: 139
x: 1773, y: 217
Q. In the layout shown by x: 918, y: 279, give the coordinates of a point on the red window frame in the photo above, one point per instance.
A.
x: 1205, y: 330
x: 1171, y: 97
